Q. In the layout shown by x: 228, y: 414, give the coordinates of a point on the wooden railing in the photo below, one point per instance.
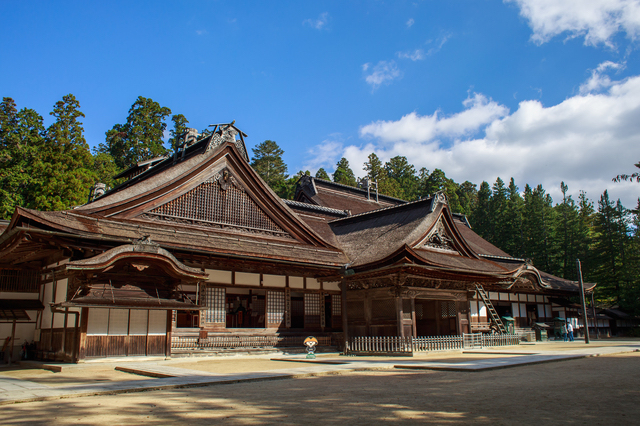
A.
x: 394, y: 345
x: 236, y: 342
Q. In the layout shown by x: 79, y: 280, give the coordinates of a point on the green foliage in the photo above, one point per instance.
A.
x: 267, y: 162
x: 21, y: 141
x: 322, y: 174
x: 633, y: 176
x: 399, y: 169
x: 140, y: 138
x: 179, y: 128
x: 105, y: 168
x: 344, y: 174
x: 66, y: 166
x: 42, y: 169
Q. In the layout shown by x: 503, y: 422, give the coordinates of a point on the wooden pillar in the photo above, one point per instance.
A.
x: 399, y: 316
x: 343, y: 306
x: 167, y: 351
x: 367, y: 312
x: 64, y: 333
x: 82, y: 335
x: 413, y: 317
x: 12, y: 343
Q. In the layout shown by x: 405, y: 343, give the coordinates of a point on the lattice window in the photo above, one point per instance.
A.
x: 215, y: 299
x: 209, y: 203
x: 419, y: 311
x: 336, y: 305
x: 383, y: 308
x: 275, y: 307
x: 21, y: 280
x: 448, y: 309
x: 312, y: 304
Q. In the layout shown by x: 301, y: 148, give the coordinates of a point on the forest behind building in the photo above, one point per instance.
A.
x: 53, y: 168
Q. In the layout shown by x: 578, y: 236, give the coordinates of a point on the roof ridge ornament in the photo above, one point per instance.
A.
x: 223, y: 133
x: 441, y: 197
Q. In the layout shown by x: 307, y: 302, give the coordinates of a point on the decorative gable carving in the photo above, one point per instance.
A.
x: 219, y: 202
x: 227, y: 133
x: 439, y: 239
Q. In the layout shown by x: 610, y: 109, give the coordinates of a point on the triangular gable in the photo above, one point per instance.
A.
x: 219, y: 192
x: 444, y: 236
x: 220, y: 202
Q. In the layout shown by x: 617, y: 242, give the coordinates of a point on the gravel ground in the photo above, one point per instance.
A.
x: 597, y: 390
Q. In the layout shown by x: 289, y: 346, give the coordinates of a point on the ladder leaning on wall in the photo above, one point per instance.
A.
x: 495, y: 318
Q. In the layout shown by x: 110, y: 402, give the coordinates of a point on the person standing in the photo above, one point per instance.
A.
x: 564, y: 332
x: 569, y: 331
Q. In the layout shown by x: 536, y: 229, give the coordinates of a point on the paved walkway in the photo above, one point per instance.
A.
x: 168, y: 377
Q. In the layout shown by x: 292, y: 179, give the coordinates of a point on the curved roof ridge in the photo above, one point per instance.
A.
x: 341, y: 185
x: 384, y: 209
x: 314, y: 207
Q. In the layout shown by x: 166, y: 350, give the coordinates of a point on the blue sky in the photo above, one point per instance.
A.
x: 540, y: 90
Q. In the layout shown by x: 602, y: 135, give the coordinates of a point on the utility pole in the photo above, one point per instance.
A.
x: 584, y: 306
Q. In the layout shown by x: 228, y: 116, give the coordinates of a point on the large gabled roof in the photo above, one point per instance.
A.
x: 210, y: 201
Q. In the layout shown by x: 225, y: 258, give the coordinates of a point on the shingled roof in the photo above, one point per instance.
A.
x: 208, y: 201
x: 341, y: 197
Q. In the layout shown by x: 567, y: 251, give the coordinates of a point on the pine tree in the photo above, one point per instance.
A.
x: 66, y: 169
x: 21, y: 147
x: 344, y: 174
x: 480, y: 219
x: 610, y: 247
x: 468, y: 197
x: 179, y: 128
x: 140, y: 138
x: 374, y: 168
x: 322, y: 174
x: 538, y: 227
x: 514, y: 244
x: 267, y: 162
x: 401, y: 171
x: 498, y: 211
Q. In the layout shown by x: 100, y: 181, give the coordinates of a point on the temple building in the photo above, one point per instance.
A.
x: 194, y: 252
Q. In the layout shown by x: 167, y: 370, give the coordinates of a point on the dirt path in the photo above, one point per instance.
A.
x: 600, y: 390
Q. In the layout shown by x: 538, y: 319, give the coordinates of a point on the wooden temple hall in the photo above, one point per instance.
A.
x: 194, y: 252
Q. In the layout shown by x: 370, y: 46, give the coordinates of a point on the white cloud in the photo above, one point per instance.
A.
x: 420, y: 54
x: 597, y: 20
x: 584, y: 141
x: 410, y: 23
x: 416, y: 55
x: 319, y: 23
x: 326, y: 154
x: 598, y: 79
x: 202, y: 32
x: 384, y: 72
x: 413, y: 128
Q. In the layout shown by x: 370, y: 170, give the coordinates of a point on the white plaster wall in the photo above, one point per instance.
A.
x: 313, y: 284
x: 46, y: 301
x: 296, y: 282
x: 335, y: 286
x: 61, y: 296
x: 245, y: 278
x: 217, y: 276
x: 515, y: 310
x: 474, y: 309
x: 274, y: 280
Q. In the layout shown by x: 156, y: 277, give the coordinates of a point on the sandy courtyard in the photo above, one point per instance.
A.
x: 598, y: 390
